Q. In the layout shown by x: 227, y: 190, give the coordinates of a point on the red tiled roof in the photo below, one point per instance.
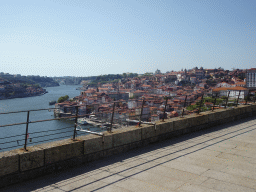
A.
x: 241, y: 83
x: 230, y: 88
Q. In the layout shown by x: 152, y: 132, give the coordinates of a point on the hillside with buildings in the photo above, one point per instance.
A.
x: 190, y: 85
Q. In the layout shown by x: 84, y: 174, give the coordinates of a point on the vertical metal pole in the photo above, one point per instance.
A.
x: 247, y: 97
x: 200, y: 104
x: 166, y: 99
x: 74, y: 136
x: 112, y: 118
x: 141, y: 111
x: 238, y: 98
x: 227, y: 100
x: 86, y: 111
x: 26, y: 135
x: 101, y: 118
x: 184, y: 105
x: 214, y: 101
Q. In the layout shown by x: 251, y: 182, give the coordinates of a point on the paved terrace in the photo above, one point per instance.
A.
x: 222, y: 158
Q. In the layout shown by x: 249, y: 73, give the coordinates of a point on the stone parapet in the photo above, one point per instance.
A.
x: 19, y: 165
x: 9, y: 162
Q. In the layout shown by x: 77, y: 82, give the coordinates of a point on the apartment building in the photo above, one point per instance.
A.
x: 251, y: 78
x: 235, y: 92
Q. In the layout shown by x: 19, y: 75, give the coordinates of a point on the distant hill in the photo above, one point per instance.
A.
x: 17, y: 86
x: 41, y: 81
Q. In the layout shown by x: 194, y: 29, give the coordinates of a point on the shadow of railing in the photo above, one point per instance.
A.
x: 111, y: 163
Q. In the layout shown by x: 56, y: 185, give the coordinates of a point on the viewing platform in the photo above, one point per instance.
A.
x: 220, y: 158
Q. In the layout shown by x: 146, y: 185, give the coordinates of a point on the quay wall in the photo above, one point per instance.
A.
x: 19, y: 165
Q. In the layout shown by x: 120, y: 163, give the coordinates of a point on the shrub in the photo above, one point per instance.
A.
x: 63, y: 98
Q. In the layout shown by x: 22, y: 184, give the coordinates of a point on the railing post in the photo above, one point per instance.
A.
x: 247, y: 97
x: 184, y: 106
x: 227, y: 100
x: 238, y: 98
x: 86, y: 110
x: 112, y: 118
x: 200, y: 104
x: 27, y: 135
x: 74, y: 136
x: 101, y: 117
x: 214, y: 101
x: 141, y: 111
x: 166, y: 99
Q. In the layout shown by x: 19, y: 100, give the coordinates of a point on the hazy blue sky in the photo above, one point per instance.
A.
x: 94, y: 37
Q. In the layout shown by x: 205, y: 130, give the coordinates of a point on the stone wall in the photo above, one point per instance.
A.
x: 19, y: 165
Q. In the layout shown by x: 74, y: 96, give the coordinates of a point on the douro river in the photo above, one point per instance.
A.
x: 13, y: 137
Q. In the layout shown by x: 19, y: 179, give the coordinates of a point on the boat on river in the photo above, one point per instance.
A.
x: 52, y: 102
x: 82, y: 121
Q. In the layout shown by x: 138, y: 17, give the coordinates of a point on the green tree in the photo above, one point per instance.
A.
x: 37, y: 85
x: 247, y: 98
x: 224, y: 97
x: 124, y: 75
x: 63, y: 98
x: 147, y: 74
x: 192, y: 107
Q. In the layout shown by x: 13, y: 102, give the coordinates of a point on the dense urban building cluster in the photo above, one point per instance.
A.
x: 155, y: 88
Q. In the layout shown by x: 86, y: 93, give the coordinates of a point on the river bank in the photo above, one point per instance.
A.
x: 33, y: 93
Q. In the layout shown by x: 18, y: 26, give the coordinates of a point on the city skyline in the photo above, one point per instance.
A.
x: 76, y: 38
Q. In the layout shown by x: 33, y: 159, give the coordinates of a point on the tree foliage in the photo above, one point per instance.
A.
x: 110, y: 78
x: 212, y: 99
x: 147, y: 74
x: 206, y: 99
x: 63, y: 98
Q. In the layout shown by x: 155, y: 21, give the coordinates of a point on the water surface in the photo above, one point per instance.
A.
x: 38, y: 132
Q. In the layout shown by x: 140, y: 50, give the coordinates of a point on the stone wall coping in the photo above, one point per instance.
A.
x: 96, y: 146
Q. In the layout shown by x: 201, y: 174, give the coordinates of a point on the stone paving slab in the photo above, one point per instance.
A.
x: 240, y: 172
x: 225, y: 186
x: 183, y: 167
x: 208, y: 163
x: 231, y: 178
x: 159, y: 180
x: 188, y: 187
x: 236, y: 157
x: 222, y: 158
x: 140, y: 185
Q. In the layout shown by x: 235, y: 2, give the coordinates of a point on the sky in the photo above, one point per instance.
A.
x: 97, y: 37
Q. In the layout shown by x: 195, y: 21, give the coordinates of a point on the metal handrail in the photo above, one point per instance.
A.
x: 114, y: 110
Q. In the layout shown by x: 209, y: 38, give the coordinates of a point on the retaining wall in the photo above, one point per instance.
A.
x: 19, y: 165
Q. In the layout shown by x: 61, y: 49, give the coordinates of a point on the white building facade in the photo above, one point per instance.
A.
x: 251, y: 78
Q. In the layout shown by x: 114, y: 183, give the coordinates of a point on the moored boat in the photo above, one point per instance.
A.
x: 82, y: 121
x: 52, y: 102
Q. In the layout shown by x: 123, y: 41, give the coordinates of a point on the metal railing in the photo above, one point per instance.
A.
x: 67, y: 132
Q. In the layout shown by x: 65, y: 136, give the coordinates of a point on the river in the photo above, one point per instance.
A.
x: 13, y: 137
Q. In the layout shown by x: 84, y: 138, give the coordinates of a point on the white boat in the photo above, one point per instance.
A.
x: 82, y: 121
